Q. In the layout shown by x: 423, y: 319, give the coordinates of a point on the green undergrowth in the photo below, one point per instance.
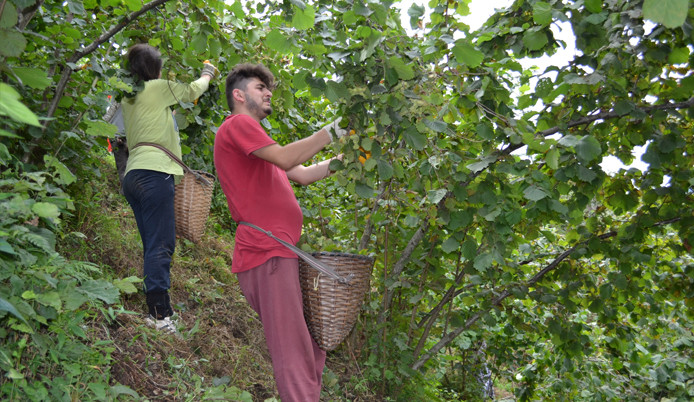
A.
x: 73, y: 312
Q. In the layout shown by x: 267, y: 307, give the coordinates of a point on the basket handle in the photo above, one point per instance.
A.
x: 306, y: 257
x: 175, y: 158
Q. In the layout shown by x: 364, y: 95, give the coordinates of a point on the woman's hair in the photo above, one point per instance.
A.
x: 239, y: 76
x: 144, y: 62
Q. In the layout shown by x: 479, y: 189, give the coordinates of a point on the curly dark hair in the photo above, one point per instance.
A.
x: 239, y: 76
x: 144, y: 62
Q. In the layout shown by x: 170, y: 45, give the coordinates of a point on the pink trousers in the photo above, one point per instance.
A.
x: 273, y: 291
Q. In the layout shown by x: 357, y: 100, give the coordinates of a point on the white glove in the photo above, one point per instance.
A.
x: 334, y: 129
x: 111, y: 111
x: 114, y: 115
x: 209, y: 69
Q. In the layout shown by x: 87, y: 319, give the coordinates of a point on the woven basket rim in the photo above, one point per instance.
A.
x: 203, y: 172
x: 341, y: 254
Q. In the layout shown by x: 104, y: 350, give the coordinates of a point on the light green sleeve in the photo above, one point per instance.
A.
x: 171, y: 92
x: 148, y: 118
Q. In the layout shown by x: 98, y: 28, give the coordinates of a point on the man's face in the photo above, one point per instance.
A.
x: 258, y: 96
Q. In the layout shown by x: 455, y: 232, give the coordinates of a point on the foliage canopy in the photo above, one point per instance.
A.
x: 483, y: 198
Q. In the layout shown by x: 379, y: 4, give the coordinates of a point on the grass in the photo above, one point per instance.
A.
x: 221, y: 353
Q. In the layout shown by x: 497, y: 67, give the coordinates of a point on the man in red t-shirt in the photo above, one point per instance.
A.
x: 254, y: 172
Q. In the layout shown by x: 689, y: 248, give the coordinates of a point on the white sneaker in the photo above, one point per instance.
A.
x: 167, y: 325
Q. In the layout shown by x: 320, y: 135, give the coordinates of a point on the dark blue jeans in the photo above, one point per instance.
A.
x: 151, y: 196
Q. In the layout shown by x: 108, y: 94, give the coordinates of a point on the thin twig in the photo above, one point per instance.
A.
x: 67, y: 71
x: 446, y: 339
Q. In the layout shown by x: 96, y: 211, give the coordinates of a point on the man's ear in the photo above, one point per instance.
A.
x: 238, y: 95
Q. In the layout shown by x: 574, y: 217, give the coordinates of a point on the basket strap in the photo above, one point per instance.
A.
x: 306, y: 257
x: 175, y: 158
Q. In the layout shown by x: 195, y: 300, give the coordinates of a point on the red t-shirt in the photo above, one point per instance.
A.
x: 257, y: 192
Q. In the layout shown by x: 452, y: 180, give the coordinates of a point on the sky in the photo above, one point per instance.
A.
x: 481, y: 10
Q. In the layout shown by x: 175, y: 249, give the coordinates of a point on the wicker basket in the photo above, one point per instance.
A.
x: 192, y: 204
x: 331, y: 308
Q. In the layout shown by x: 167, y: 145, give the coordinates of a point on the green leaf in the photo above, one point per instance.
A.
x: 594, y: 6
x: 459, y: 219
x: 363, y: 31
x: 385, y: 170
x: 360, y: 9
x: 552, y: 158
x: 534, y: 193
x: 315, y: 49
x: 596, y: 19
x: 481, y: 164
x: 558, y: 207
x: 336, y: 92
x: 14, y: 374
x: 120, y: 389
x: 469, y: 249
x: 73, y: 300
x: 623, y: 107
x: 485, y: 131
x: 33, y: 77
x: 436, y: 125
x: 450, y: 245
x: 482, y: 262
x: 100, y: 128
x: 434, y: 196
x: 534, y: 40
x: 370, y: 164
x: 542, y: 13
x: 75, y: 7
x: 586, y: 174
x: 405, y: 71
x: 100, y: 289
x: 6, y: 247
x: 12, y: 107
x: 349, y: 18
x: 45, y: 210
x: 569, y: 140
x: 303, y: 19
x: 10, y: 308
x: 133, y: 5
x: 127, y: 285
x: 177, y: 44
x: 671, y: 13
x: 275, y: 40
x: 9, y: 16
x: 63, y: 175
x: 588, y: 148
x: 199, y: 43
x: 679, y: 55
x: 620, y: 281
x: 4, y: 153
x: 12, y: 43
x: 414, y: 138
x: 466, y: 53
x: 51, y: 299
x: 364, y: 190
x: 416, y: 11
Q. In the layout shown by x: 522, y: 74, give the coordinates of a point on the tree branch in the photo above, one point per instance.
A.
x: 400, y: 264
x: 67, y: 71
x: 419, y: 234
x: 27, y: 14
x: 449, y: 337
x: 602, y: 116
x: 613, y: 115
x: 366, y: 236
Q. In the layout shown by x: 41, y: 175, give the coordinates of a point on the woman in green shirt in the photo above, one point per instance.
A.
x: 150, y: 174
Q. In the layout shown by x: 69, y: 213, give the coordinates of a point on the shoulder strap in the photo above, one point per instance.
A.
x: 166, y: 151
x: 306, y: 257
x: 198, y: 177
